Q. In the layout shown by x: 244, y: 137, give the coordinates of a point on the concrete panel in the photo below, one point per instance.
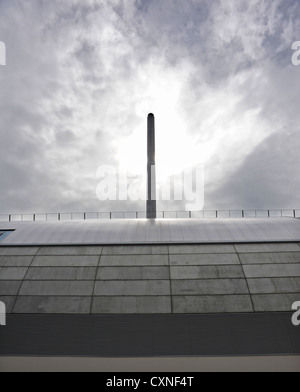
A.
x: 8, y: 301
x: 207, y: 272
x: 15, y: 261
x: 205, y: 259
x: 61, y: 273
x: 12, y: 273
x: 180, y: 249
x: 131, y: 305
x: 18, y: 251
x: 270, y: 258
x: 133, y: 273
x: 69, y: 250
x: 134, y: 260
x: 271, y: 271
x: 65, y: 261
x: 274, y: 302
x: 68, y: 288
x: 212, y: 304
x: 10, y: 287
x: 136, y: 287
x: 135, y: 250
x: 58, y: 305
x: 279, y: 247
x: 209, y: 287
x: 274, y: 286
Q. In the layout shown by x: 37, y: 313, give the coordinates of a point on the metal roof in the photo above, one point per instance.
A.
x: 166, y: 287
x: 158, y: 231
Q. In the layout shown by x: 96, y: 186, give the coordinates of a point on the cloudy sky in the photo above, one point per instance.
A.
x: 81, y: 77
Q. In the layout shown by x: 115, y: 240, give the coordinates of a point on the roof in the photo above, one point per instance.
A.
x: 145, y: 288
x: 142, y: 231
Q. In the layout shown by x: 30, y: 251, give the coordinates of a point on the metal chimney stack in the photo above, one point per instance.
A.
x: 151, y: 179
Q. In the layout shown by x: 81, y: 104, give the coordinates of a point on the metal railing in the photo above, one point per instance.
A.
x: 59, y: 216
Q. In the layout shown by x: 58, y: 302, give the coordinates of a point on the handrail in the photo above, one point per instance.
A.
x: 60, y: 216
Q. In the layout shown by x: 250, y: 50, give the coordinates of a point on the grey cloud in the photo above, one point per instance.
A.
x: 268, y: 178
x: 74, y: 83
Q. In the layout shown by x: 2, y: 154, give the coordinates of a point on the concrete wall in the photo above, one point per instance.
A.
x: 158, y: 279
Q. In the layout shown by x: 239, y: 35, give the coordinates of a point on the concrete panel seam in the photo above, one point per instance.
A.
x: 13, y: 307
x: 96, y: 274
x: 170, y: 280
x: 248, y: 288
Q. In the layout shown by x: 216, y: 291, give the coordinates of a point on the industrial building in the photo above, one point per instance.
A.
x: 150, y: 294
x: 182, y: 288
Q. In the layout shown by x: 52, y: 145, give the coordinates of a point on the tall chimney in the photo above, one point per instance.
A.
x: 151, y: 180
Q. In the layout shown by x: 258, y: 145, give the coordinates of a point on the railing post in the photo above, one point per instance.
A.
x: 243, y: 214
x: 294, y: 212
x: 9, y: 218
x: 33, y: 217
x: 84, y: 215
x: 59, y: 216
x: 216, y: 213
x: 268, y: 213
x: 110, y: 215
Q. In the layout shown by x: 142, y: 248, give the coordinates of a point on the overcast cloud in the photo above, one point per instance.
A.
x: 81, y: 77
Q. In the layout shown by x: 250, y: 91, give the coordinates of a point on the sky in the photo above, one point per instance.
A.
x: 81, y: 77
